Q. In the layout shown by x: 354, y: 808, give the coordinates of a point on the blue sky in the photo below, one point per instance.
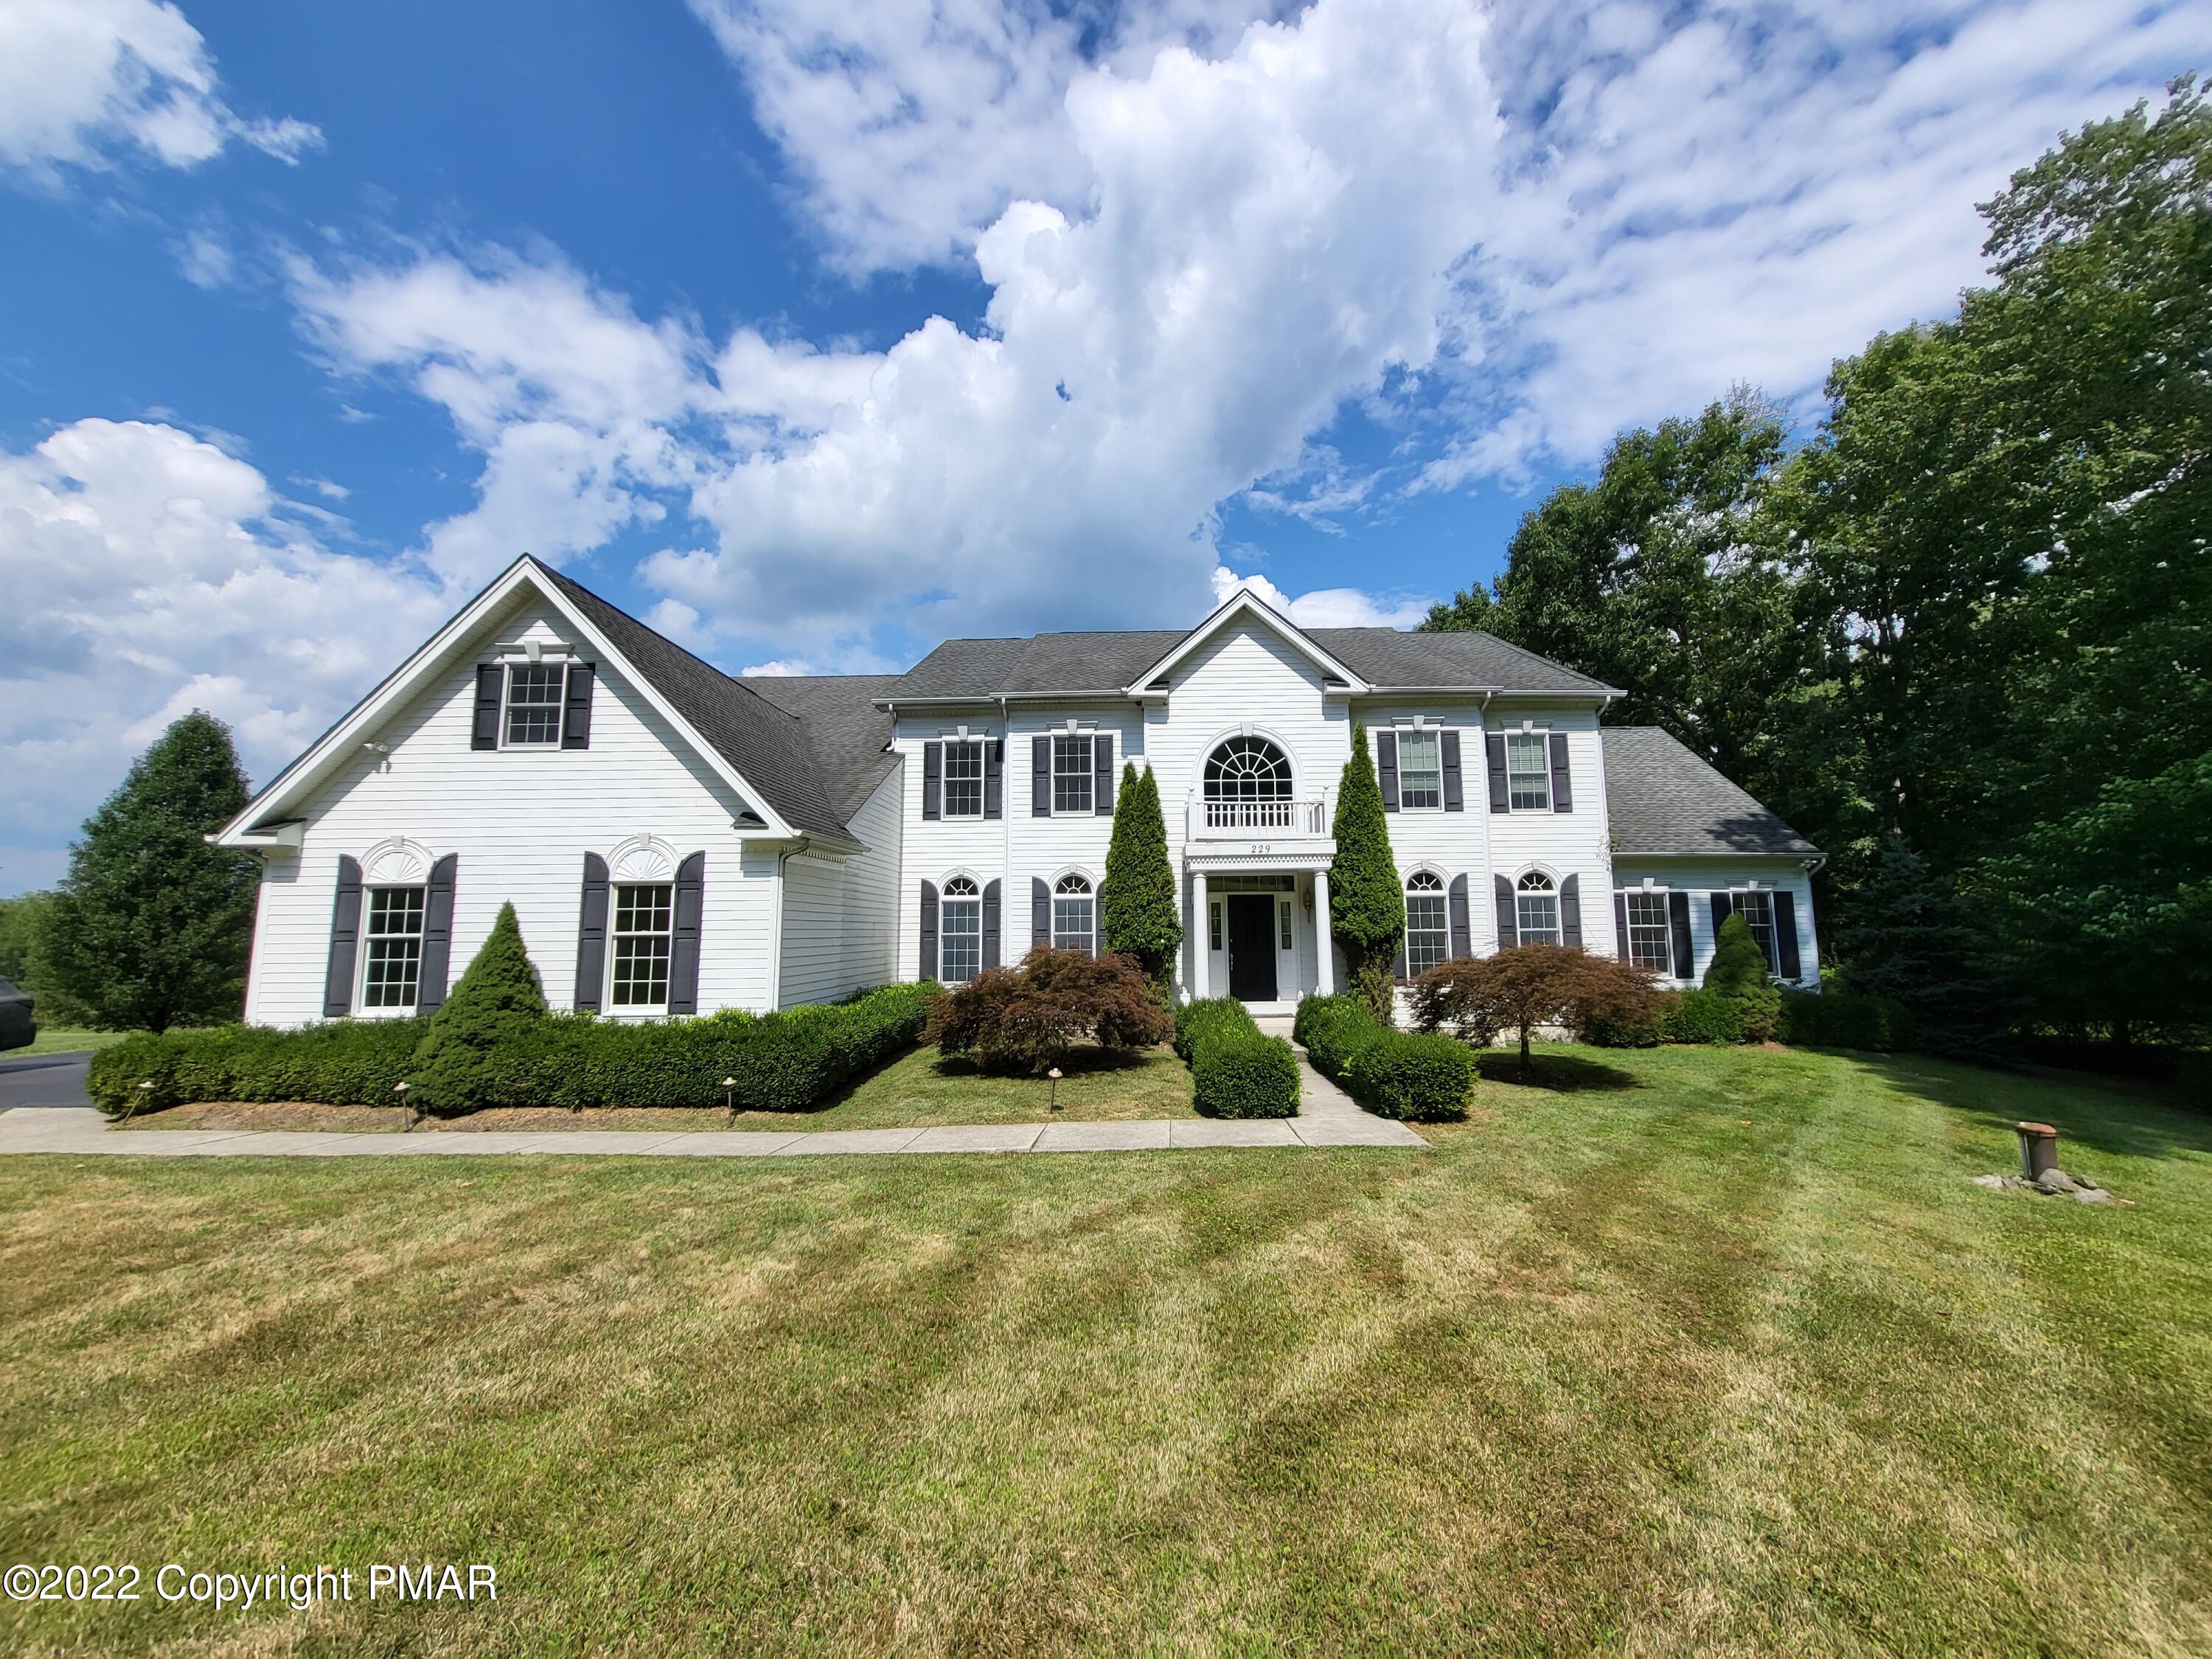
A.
x: 815, y: 330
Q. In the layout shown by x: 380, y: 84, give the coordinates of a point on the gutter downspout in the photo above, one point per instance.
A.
x: 776, y: 927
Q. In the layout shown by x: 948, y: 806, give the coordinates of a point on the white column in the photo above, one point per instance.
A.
x: 1201, y: 934
x: 1325, y: 944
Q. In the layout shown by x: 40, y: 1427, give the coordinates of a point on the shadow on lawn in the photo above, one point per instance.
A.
x: 1085, y: 1061
x: 1561, y: 1073
x: 2108, y: 1114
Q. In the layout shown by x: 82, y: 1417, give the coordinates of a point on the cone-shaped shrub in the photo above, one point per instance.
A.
x: 1137, y: 899
x: 1366, y: 905
x: 498, y: 1000
x: 1738, y: 964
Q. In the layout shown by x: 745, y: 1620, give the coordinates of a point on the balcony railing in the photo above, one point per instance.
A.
x: 1242, y: 820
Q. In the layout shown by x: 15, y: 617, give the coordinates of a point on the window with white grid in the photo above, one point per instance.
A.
x: 1536, y: 903
x: 1428, y: 924
x: 1420, y: 771
x: 644, y: 929
x: 391, y: 966
x: 534, y: 691
x: 1528, y: 771
x: 1650, y: 939
x: 961, y: 924
x: 964, y: 781
x: 1758, y: 909
x: 1074, y: 907
x: 1071, y: 774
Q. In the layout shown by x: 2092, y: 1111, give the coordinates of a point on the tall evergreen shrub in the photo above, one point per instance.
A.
x: 1366, y: 905
x: 1738, y: 972
x: 1137, y: 899
x: 497, y: 1002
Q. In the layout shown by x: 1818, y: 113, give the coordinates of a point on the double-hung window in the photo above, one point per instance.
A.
x: 1536, y: 906
x: 964, y: 779
x: 1071, y: 774
x: 1073, y: 909
x: 391, y: 966
x: 961, y: 922
x: 1758, y: 908
x: 535, y: 692
x: 1650, y: 941
x: 1428, y: 924
x: 644, y: 937
x: 1528, y: 771
x: 1420, y: 771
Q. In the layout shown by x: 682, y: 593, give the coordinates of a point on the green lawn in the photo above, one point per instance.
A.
x: 66, y: 1039
x: 1728, y: 1357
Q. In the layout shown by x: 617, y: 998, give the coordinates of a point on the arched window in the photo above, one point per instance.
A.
x: 961, y: 953
x: 1248, y: 786
x: 1537, y: 904
x: 1074, y: 914
x: 1428, y: 925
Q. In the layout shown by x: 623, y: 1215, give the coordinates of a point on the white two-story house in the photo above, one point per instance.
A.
x: 678, y: 840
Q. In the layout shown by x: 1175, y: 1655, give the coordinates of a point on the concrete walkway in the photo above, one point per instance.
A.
x: 1327, y: 1118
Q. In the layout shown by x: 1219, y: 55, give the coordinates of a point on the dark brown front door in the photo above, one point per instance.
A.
x: 1252, y: 947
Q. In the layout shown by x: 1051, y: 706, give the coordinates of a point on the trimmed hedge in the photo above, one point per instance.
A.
x: 1236, y: 1070
x: 784, y: 1062
x: 1837, y: 1018
x: 1397, y: 1074
x: 1702, y: 1015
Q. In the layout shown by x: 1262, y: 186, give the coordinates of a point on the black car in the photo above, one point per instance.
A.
x: 17, y: 1028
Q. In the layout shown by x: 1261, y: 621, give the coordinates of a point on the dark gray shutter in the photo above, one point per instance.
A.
x: 1102, y: 770
x: 1040, y: 777
x: 1386, y: 764
x: 1462, y: 927
x: 932, y: 779
x: 1570, y: 911
x: 1039, y: 913
x: 990, y: 924
x: 346, y: 938
x: 1786, y: 934
x: 437, y: 936
x: 1563, y: 789
x: 1448, y: 745
x: 1721, y: 905
x: 592, y: 936
x: 684, y: 950
x: 995, y: 777
x: 576, y: 706
x: 1494, y: 752
x: 1678, y: 924
x: 491, y: 676
x: 929, y: 964
x: 1509, y: 929
x: 1620, y: 926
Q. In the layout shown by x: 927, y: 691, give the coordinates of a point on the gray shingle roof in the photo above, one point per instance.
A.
x: 1384, y: 657
x: 847, y: 734
x: 1663, y: 800
x: 765, y: 741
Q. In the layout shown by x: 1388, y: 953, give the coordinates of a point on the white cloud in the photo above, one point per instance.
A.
x: 80, y: 78
x: 1326, y: 607
x: 148, y: 577
x: 205, y: 259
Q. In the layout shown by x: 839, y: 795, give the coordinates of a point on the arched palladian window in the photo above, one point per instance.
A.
x: 1248, y: 786
x: 963, y: 937
x: 1074, y: 914
x: 1537, y: 907
x: 1428, y: 924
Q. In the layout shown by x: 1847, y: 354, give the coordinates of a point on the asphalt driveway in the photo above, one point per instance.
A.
x: 44, y: 1080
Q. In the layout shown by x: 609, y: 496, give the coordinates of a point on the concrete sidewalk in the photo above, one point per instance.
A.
x: 1327, y: 1118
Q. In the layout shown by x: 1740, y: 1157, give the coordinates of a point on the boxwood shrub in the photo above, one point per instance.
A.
x: 1235, y: 1070
x: 1702, y: 1015
x: 1396, y: 1074
x: 787, y: 1061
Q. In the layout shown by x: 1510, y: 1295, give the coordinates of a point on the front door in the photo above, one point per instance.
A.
x: 1252, y: 947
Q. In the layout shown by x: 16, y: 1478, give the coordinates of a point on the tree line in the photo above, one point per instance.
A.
x: 1960, y: 634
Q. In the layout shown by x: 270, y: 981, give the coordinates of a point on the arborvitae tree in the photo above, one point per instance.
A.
x: 496, y: 1001
x: 153, y: 926
x: 1137, y: 899
x: 1366, y: 904
x: 1738, y: 964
